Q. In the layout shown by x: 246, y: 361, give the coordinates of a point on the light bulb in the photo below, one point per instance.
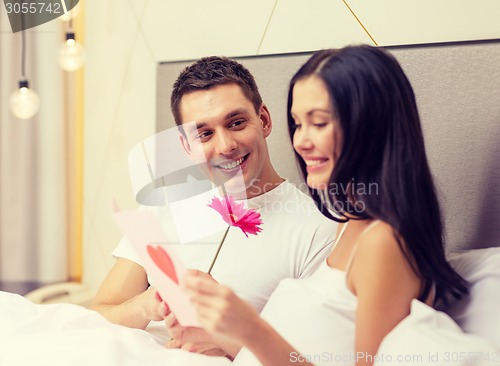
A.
x: 71, y: 53
x: 24, y: 102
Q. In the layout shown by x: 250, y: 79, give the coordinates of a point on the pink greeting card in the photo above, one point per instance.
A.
x: 164, y: 268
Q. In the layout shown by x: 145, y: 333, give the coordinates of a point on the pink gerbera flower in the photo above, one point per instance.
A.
x: 235, y: 214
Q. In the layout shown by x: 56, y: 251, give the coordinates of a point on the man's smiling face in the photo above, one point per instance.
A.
x: 230, y: 135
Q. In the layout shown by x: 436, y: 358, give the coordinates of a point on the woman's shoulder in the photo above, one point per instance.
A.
x: 378, y: 235
x: 379, y: 247
x: 380, y: 256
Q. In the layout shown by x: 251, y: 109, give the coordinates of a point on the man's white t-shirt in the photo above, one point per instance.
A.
x: 294, y: 240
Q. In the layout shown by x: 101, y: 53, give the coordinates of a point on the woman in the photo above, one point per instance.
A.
x: 355, y: 128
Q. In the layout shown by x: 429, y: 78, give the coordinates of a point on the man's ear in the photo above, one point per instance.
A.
x: 185, y: 144
x: 265, y: 117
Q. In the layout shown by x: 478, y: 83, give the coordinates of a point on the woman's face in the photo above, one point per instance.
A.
x: 314, y: 120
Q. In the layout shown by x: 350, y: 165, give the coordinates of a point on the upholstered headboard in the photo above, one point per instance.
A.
x: 458, y: 94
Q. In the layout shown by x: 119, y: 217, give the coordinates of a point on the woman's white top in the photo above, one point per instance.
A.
x: 315, y: 315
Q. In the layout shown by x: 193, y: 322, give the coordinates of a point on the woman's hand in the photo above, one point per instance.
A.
x: 227, y: 317
x: 221, y: 312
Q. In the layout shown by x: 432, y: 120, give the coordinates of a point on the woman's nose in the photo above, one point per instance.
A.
x: 301, y: 140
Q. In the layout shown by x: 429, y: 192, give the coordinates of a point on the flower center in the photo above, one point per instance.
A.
x: 233, y: 217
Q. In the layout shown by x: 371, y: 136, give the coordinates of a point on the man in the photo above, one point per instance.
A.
x: 232, y: 123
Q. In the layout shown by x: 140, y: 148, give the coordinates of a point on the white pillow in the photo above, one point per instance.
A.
x: 479, y: 312
x: 430, y: 337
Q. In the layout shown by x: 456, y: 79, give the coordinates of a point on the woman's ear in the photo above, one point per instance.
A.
x: 265, y: 117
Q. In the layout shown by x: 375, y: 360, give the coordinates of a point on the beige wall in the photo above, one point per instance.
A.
x: 126, y: 39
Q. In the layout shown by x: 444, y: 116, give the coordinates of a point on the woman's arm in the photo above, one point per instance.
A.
x: 385, y: 284
x: 229, y: 318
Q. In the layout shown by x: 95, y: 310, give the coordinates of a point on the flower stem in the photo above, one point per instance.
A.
x: 218, y: 249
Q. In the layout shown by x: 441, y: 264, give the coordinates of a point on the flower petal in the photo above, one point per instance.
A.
x: 235, y: 214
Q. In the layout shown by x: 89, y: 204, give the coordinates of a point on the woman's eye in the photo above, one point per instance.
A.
x: 297, y: 126
x: 320, y: 124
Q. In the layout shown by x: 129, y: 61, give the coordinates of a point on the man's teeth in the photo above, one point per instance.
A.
x: 231, y: 165
x: 314, y: 162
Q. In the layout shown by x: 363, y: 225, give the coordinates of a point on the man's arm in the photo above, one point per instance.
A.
x: 124, y: 297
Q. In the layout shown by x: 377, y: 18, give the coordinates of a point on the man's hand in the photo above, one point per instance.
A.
x: 191, y: 339
x: 152, y: 304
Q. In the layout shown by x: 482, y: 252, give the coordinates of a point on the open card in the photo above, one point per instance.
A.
x: 163, y: 266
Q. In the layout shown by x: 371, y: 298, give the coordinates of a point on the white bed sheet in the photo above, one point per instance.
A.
x: 65, y: 334
x: 428, y: 337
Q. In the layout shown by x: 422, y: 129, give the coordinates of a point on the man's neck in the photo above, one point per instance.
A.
x: 269, y: 185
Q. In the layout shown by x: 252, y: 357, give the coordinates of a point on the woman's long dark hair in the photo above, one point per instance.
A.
x: 382, y: 148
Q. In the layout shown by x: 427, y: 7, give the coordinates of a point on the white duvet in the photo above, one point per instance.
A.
x: 432, y: 338
x: 64, y: 334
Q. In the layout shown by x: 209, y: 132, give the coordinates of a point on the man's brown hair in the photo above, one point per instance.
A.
x: 209, y: 72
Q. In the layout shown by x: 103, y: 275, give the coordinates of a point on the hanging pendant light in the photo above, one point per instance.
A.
x: 24, y: 102
x: 71, y: 53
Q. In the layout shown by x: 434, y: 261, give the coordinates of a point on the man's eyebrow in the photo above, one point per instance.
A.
x: 200, y: 125
x: 231, y: 114
x: 193, y: 127
x: 236, y: 112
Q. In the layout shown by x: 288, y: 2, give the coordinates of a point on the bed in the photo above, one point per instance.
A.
x: 68, y: 334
